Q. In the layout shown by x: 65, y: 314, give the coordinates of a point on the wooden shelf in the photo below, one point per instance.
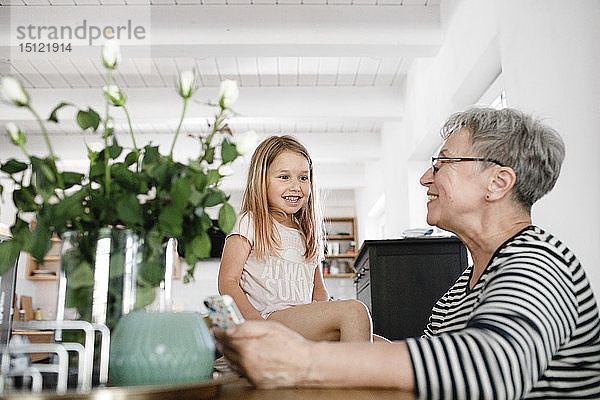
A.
x: 345, y: 275
x: 339, y: 219
x: 42, y: 277
x: 339, y: 237
x: 340, y: 242
x: 346, y: 255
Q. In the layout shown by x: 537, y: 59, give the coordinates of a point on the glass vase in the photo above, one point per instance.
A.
x: 109, y: 273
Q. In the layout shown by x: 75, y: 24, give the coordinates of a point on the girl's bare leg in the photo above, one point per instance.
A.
x: 343, y: 320
x: 381, y: 339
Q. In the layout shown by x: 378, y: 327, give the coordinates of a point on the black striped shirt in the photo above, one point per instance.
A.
x: 529, y: 328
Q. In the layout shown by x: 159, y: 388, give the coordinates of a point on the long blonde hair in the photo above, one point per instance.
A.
x: 255, y: 201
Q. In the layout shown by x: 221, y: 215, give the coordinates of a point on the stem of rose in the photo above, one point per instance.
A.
x: 185, y: 102
x: 214, y: 130
x: 137, y: 151
x: 25, y: 151
x: 52, y: 157
x: 106, y: 166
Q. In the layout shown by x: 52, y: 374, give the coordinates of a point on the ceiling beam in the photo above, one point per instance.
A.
x: 339, y: 158
x: 164, y: 105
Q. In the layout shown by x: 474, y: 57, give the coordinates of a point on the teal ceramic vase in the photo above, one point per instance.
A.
x: 152, y: 348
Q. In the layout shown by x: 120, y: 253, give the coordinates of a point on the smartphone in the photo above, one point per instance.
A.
x: 222, y: 311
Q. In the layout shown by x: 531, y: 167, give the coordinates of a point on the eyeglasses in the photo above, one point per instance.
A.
x: 434, y: 161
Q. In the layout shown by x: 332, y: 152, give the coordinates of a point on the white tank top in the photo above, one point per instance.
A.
x: 281, y: 280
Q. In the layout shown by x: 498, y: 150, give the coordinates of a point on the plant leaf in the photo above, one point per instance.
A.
x: 9, y: 252
x: 163, y: 174
x: 199, y: 247
x: 170, y: 221
x: 68, y: 209
x: 226, y: 218
x: 228, y: 151
x: 53, y: 117
x: 21, y: 233
x: 151, y: 157
x: 209, y: 156
x: 41, y: 239
x: 83, y: 276
x: 108, y: 132
x: 213, y: 197
x: 131, y: 158
x: 71, y: 178
x: 198, y: 178
x: 114, y: 150
x: 181, y: 192
x: 70, y: 260
x: 129, y: 210
x: 43, y: 172
x: 125, y: 177
x: 13, y: 166
x: 152, y: 272
x: 96, y: 170
x: 45, y: 179
x: 205, y: 222
x: 23, y: 199
x: 195, y: 198
x: 88, y: 119
x: 213, y: 177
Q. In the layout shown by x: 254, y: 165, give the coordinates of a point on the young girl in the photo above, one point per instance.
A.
x: 270, y: 260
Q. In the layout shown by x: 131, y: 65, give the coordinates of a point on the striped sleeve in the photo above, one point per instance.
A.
x: 525, y: 314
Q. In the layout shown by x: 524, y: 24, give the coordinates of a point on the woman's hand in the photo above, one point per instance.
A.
x: 267, y: 353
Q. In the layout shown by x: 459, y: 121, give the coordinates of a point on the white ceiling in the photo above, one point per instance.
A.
x: 331, y: 72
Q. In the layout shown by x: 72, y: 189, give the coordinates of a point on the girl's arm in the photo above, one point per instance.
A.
x: 236, y: 251
x: 319, y: 290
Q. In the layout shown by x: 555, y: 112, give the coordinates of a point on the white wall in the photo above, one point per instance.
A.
x: 366, y: 198
x: 550, y: 65
x: 549, y: 56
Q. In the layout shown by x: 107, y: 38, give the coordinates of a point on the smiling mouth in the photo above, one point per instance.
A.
x: 432, y: 197
x: 292, y: 199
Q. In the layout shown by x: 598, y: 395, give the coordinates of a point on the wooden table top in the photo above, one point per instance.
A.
x: 226, y: 388
x: 241, y: 389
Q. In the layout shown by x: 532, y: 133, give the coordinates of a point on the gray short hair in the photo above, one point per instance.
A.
x: 533, y: 150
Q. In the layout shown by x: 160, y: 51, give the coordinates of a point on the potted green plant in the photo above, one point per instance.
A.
x: 139, y: 189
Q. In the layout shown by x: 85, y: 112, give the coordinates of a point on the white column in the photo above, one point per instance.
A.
x: 395, y: 149
x: 550, y: 62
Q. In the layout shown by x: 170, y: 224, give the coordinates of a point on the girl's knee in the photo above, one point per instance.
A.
x: 356, y: 308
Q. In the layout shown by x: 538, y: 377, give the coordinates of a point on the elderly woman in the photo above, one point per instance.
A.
x: 520, y: 322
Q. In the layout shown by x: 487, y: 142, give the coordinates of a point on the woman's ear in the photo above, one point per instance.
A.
x: 501, y: 183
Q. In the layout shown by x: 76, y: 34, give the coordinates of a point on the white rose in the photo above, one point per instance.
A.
x: 225, y: 170
x: 228, y: 93
x: 114, y: 94
x: 186, y: 83
x: 12, y: 91
x: 15, y: 134
x: 246, y: 142
x: 111, y: 54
